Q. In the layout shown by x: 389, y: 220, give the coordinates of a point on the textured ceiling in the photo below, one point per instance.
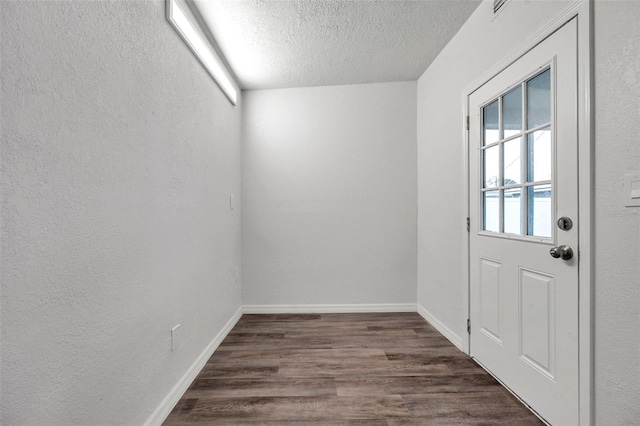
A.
x: 298, y: 43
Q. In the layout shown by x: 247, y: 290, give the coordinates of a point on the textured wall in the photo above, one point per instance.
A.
x: 118, y: 157
x: 329, y: 195
x: 617, y: 334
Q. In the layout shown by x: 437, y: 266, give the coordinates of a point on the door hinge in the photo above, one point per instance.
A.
x: 467, y: 122
x: 468, y: 326
x: 468, y: 225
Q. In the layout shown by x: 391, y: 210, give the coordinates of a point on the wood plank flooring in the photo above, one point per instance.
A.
x: 387, y: 369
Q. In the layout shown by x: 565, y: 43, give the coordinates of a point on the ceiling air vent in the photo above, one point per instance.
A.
x: 497, y: 4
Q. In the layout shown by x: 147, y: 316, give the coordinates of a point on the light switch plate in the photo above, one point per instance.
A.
x: 631, y: 190
x: 175, y: 342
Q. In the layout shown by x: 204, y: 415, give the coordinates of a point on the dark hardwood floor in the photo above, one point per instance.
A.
x: 344, y: 369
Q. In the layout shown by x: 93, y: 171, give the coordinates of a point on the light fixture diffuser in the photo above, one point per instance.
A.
x: 183, y: 22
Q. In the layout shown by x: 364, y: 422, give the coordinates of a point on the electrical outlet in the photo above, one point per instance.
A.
x: 175, y: 342
x: 232, y: 202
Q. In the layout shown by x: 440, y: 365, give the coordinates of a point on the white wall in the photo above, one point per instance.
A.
x: 617, y: 135
x: 329, y: 195
x: 118, y: 157
x: 476, y: 48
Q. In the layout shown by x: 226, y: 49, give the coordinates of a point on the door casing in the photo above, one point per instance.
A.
x: 583, y: 10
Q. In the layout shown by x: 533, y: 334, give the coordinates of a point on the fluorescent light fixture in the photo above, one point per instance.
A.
x: 177, y: 15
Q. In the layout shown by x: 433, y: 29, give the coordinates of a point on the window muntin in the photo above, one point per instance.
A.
x: 517, y: 161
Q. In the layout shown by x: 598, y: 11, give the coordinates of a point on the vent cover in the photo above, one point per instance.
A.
x: 497, y: 4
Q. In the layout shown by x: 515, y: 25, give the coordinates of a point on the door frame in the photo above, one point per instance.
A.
x: 583, y: 10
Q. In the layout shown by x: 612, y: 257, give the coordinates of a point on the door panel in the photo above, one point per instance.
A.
x: 537, y: 320
x: 522, y: 179
x: 491, y: 287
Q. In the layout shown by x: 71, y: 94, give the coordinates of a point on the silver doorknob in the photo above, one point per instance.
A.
x: 564, y: 251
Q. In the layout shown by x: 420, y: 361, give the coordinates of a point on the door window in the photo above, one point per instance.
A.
x: 517, y: 160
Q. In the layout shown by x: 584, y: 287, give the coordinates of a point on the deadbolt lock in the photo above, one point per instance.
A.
x: 565, y: 223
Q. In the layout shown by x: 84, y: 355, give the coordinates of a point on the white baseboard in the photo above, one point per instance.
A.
x: 443, y: 329
x: 324, y: 309
x: 164, y: 409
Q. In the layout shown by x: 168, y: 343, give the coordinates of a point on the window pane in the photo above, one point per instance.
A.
x: 539, y: 155
x: 512, y: 162
x: 512, y: 112
x: 512, y: 201
x: 539, y: 211
x: 490, y: 125
x: 539, y: 99
x: 491, y: 164
x: 491, y: 211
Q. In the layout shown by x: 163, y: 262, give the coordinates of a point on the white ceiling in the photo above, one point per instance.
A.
x: 298, y: 43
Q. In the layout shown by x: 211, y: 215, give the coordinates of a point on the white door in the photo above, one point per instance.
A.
x: 523, y: 187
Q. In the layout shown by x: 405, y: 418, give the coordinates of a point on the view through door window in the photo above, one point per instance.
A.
x: 517, y: 159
